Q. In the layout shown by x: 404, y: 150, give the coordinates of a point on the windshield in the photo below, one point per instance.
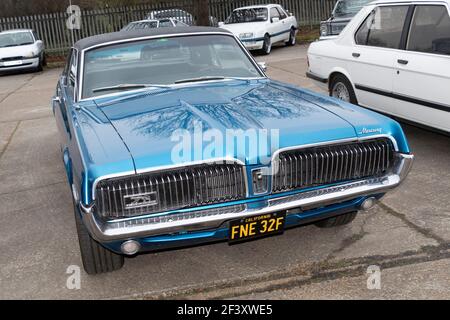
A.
x: 248, y: 15
x: 141, y: 25
x: 164, y: 61
x: 16, y: 39
x: 349, y: 8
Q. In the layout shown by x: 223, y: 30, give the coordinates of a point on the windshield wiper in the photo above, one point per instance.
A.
x: 26, y: 43
x: 129, y: 86
x: 212, y: 78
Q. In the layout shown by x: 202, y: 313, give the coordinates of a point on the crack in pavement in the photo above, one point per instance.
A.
x: 423, y: 231
x: 347, y: 242
x: 316, y: 273
x: 34, y: 188
x: 18, y: 88
x: 23, y: 120
x: 8, y: 142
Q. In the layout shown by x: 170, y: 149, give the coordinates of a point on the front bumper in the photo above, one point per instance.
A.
x: 30, y: 63
x: 191, y: 220
x: 253, y: 44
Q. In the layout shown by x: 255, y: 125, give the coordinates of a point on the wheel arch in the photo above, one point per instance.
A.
x: 339, y: 71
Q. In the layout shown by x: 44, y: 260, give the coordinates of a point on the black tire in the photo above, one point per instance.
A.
x: 338, y: 80
x: 292, y: 38
x: 337, y: 221
x: 96, y: 259
x: 40, y: 66
x: 267, y: 45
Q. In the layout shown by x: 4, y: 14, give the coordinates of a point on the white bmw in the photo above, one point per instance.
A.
x: 393, y: 57
x: 259, y: 27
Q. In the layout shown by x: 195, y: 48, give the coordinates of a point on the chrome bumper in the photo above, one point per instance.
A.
x: 195, y: 220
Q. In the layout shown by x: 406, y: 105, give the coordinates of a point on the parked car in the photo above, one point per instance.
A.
x: 117, y: 119
x: 259, y: 27
x: 180, y: 15
x: 342, y: 14
x: 394, y: 57
x: 149, y: 24
x: 21, y: 49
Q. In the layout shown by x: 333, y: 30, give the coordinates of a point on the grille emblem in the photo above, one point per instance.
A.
x: 140, y: 200
x: 259, y: 177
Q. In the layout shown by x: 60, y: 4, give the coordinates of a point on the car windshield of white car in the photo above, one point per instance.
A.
x: 15, y: 39
x: 248, y: 15
x: 165, y: 61
x: 349, y: 8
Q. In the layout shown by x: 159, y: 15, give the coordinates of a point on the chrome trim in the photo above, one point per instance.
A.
x: 81, y: 64
x: 205, y: 219
x: 174, y: 166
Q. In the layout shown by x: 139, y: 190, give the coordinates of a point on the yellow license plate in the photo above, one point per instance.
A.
x: 256, y: 227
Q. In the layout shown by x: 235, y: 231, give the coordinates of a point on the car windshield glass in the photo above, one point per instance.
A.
x: 349, y: 8
x: 141, y: 25
x: 16, y: 39
x: 248, y: 15
x: 164, y: 61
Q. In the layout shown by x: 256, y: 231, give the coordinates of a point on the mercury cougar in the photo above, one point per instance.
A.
x: 174, y: 137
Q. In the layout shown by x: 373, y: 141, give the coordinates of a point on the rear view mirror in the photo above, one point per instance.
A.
x: 221, y: 24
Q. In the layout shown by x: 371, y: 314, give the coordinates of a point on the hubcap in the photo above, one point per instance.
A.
x: 340, y: 91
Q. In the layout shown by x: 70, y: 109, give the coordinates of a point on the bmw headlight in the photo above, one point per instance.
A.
x: 323, y: 29
x: 247, y: 35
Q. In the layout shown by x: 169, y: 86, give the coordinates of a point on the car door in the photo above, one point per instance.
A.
x: 285, y: 25
x: 422, y: 81
x: 275, y: 26
x: 65, y: 97
x: 371, y: 60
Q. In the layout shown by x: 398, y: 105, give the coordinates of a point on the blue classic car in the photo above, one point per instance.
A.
x: 175, y: 137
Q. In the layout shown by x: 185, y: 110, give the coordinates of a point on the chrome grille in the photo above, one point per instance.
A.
x: 303, y: 168
x: 170, y: 190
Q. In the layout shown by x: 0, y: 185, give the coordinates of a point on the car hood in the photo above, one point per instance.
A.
x: 155, y: 125
x: 237, y: 28
x: 17, y: 51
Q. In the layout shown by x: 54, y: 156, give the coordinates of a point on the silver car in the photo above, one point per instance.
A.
x: 150, y: 24
x: 21, y: 49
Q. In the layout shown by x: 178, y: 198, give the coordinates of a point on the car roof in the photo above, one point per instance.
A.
x: 407, y: 1
x: 16, y: 30
x: 258, y: 6
x: 142, y: 33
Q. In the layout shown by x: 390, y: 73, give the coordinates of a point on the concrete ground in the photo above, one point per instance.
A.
x: 406, y: 236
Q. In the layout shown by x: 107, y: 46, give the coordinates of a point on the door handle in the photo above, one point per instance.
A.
x: 356, y: 55
x: 405, y: 62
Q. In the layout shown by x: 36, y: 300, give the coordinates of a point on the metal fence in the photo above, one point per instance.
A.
x: 52, y: 28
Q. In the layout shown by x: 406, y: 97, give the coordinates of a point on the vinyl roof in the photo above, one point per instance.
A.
x: 140, y: 33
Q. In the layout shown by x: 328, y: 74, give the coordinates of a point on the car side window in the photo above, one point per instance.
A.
x: 274, y: 13
x: 283, y: 15
x: 383, y: 27
x: 72, y: 74
x: 430, y: 30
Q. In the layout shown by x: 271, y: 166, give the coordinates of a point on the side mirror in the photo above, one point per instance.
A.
x: 221, y: 24
x: 275, y: 20
x: 263, y: 66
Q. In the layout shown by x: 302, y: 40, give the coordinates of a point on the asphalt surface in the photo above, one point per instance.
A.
x: 406, y: 236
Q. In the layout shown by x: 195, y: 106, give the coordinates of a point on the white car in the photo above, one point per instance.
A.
x: 259, y: 27
x: 156, y: 23
x: 21, y: 49
x: 394, y: 57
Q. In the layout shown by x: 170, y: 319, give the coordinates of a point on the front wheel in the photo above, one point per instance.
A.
x: 337, y: 221
x: 341, y: 88
x: 292, y: 38
x: 96, y: 259
x: 267, y: 45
